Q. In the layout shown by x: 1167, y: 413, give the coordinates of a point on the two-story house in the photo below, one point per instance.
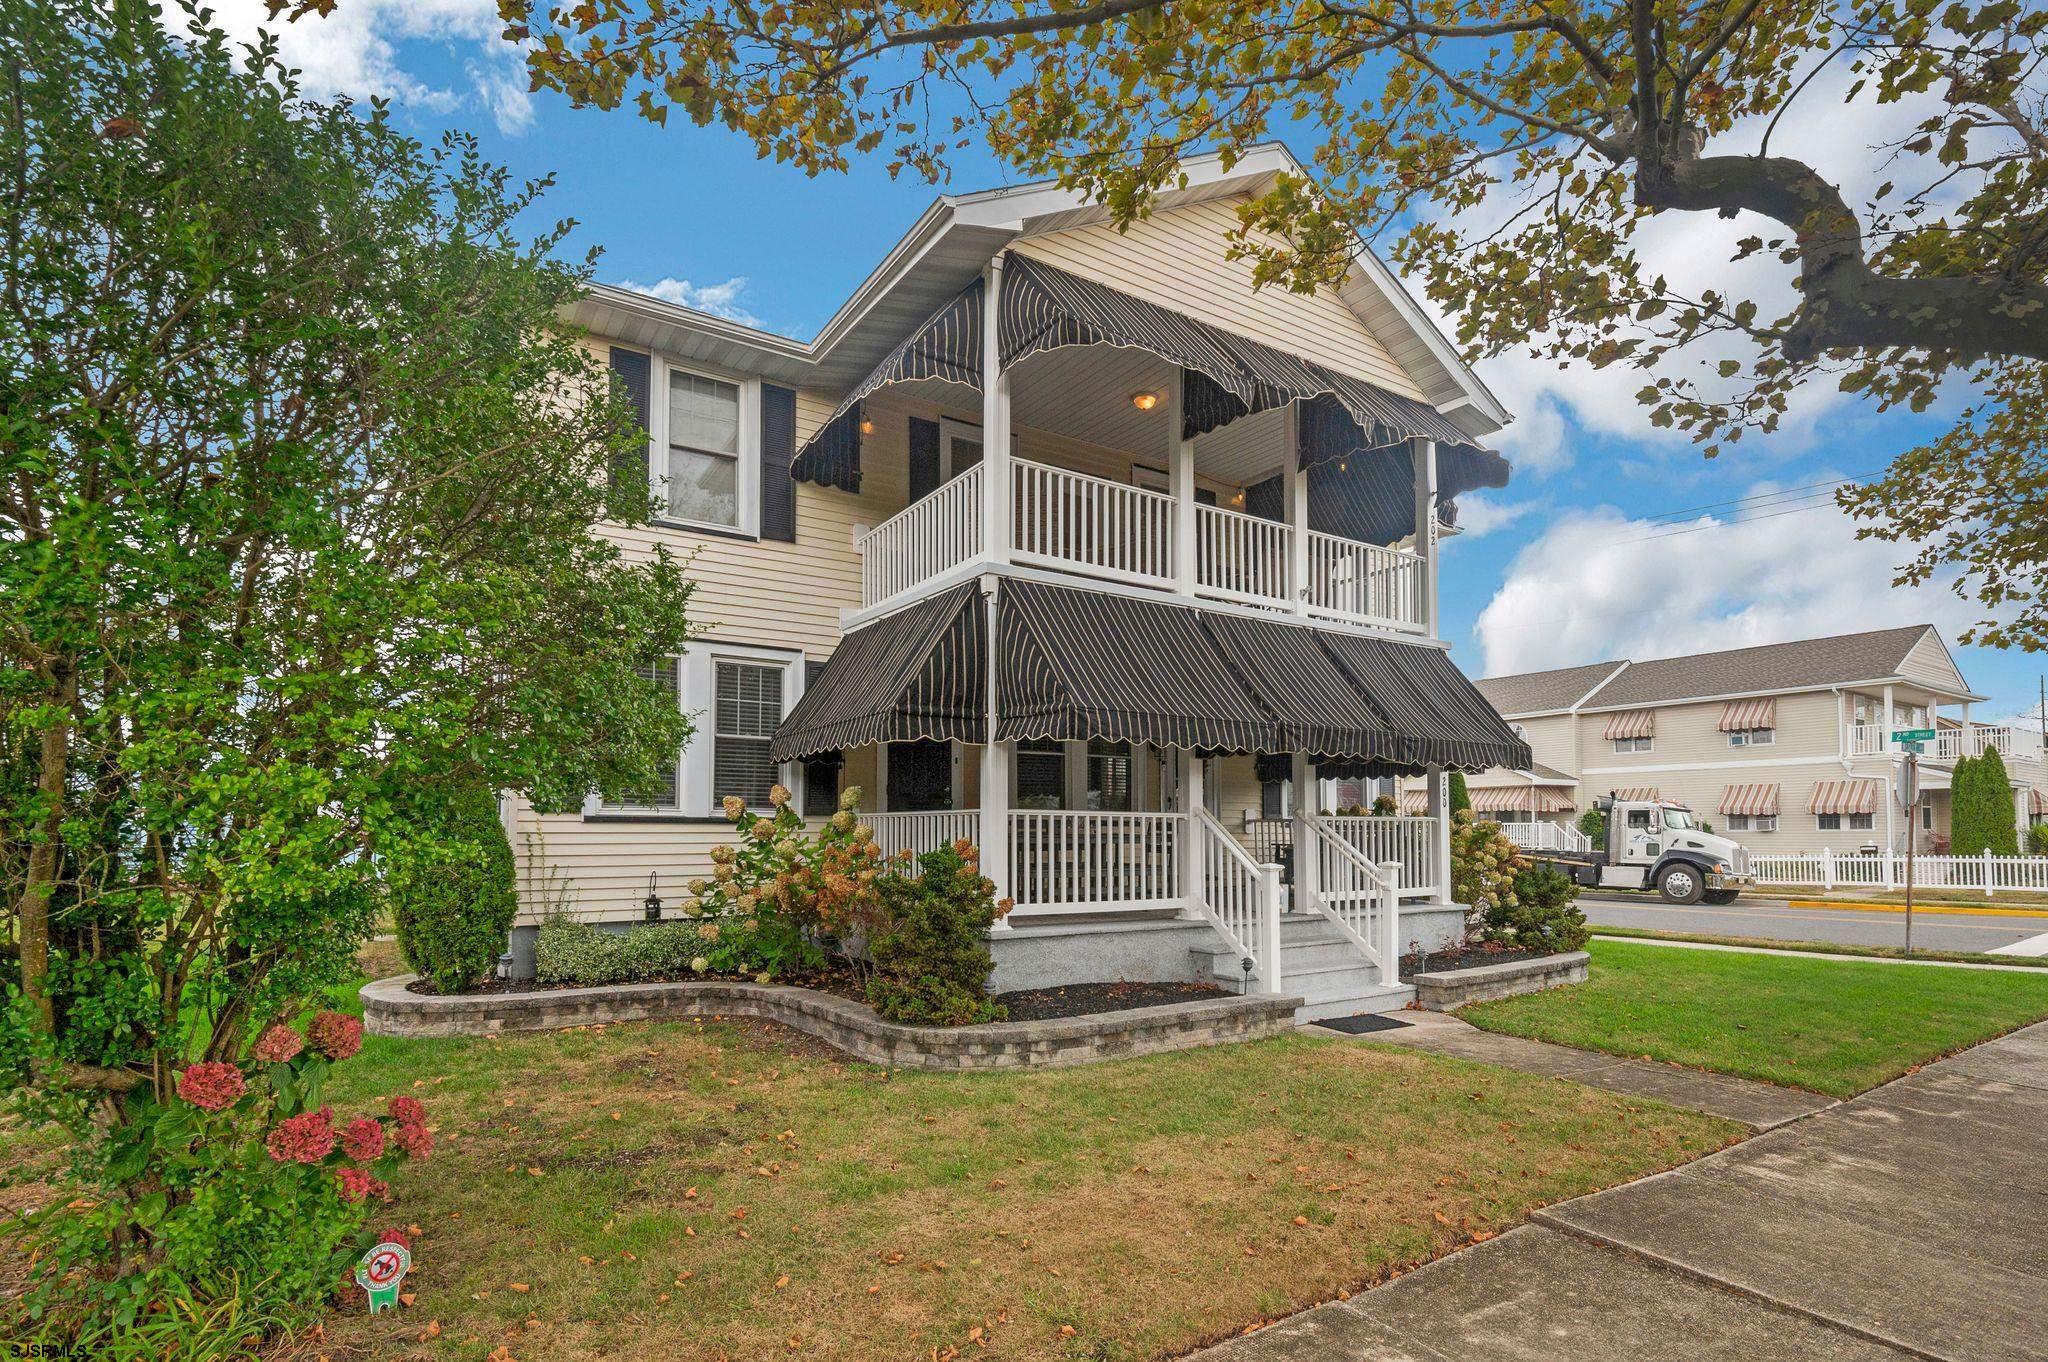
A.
x: 1056, y: 538
x: 1786, y: 747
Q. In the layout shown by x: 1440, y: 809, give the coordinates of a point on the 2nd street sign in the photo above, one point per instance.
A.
x: 1912, y: 735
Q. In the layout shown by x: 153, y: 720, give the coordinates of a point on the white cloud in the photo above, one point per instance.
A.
x: 721, y: 300
x: 1598, y: 584
x: 1480, y: 515
x: 355, y: 51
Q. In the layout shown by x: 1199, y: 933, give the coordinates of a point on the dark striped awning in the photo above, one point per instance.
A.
x: 1078, y: 664
x: 945, y: 346
x: 1444, y: 718
x: 1319, y: 710
x: 918, y: 673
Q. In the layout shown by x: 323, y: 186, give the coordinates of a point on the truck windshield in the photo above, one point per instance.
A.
x: 1678, y: 819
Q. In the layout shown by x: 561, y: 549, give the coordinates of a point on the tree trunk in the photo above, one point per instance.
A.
x: 46, y: 856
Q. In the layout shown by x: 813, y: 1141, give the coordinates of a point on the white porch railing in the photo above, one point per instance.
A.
x: 1361, y: 897
x: 1411, y: 841
x: 1239, y: 897
x: 1241, y: 557
x: 1542, y: 836
x: 1072, y: 862
x: 1953, y: 744
x: 1986, y: 873
x: 926, y: 538
x: 1351, y: 580
x: 1106, y: 529
x: 918, y: 833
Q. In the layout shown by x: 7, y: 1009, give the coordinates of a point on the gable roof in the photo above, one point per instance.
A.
x: 1802, y: 664
x: 1541, y: 692
x: 946, y: 248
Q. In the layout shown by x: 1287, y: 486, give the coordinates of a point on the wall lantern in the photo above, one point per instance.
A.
x: 867, y: 425
x: 652, y: 901
x: 1144, y: 401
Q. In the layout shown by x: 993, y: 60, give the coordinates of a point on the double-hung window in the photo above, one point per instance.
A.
x: 1857, y: 822
x: 747, y: 706
x: 735, y: 696
x: 665, y: 794
x: 705, y: 438
x: 1752, y: 822
x: 1752, y: 737
x: 1634, y: 744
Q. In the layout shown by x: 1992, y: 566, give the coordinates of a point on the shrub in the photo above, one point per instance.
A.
x: 1386, y: 806
x: 1594, y: 824
x: 930, y: 943
x: 1983, y: 817
x: 451, y: 896
x: 569, y: 952
x: 2037, y: 839
x: 1543, y: 914
x: 1483, y: 868
x: 1460, y: 799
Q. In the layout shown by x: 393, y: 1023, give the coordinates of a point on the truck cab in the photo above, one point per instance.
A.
x: 1657, y: 844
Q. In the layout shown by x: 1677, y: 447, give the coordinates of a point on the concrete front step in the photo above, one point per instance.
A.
x: 1317, y: 962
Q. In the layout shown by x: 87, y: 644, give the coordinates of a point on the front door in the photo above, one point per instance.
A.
x: 920, y: 776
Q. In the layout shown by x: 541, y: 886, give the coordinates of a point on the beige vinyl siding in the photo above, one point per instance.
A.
x: 1690, y: 733
x: 1929, y: 663
x: 1552, y: 741
x: 1179, y: 259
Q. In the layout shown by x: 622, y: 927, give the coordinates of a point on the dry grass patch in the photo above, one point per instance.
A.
x: 707, y: 1190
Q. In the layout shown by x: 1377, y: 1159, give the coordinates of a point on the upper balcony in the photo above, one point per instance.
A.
x: 1072, y: 522
x: 2021, y: 748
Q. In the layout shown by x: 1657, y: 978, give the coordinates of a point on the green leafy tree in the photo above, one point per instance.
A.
x: 297, y: 480
x: 451, y: 890
x: 1516, y: 158
x: 1460, y: 798
x: 1982, y: 814
x: 1593, y: 823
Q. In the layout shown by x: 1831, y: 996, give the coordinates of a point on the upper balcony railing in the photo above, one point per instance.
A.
x: 1074, y: 522
x: 1953, y: 744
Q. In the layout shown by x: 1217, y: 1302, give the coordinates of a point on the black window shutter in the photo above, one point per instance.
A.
x: 633, y: 372
x: 924, y: 458
x: 778, y: 447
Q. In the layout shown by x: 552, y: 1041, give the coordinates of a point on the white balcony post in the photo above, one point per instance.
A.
x: 1440, y: 832
x: 995, y: 771
x: 1192, y: 798
x: 1424, y: 458
x: 996, y: 528
x: 1269, y: 927
x: 1307, y: 854
x: 1297, y: 521
x: 1180, y: 469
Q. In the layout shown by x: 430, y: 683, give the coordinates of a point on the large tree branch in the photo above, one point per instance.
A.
x: 1846, y: 304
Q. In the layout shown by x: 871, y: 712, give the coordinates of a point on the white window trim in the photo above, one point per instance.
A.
x: 1748, y: 737
x: 1621, y: 751
x: 747, y: 481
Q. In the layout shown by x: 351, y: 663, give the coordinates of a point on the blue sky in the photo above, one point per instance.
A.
x: 1613, y: 540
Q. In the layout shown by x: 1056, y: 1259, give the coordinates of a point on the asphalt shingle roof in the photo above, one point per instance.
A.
x: 1535, y: 692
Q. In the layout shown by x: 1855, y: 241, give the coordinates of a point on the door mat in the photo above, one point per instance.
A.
x: 1362, y: 1023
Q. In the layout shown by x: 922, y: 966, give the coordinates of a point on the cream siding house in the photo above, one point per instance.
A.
x: 1784, y: 747
x: 1058, y: 539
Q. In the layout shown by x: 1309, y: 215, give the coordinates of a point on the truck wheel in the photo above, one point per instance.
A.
x: 1681, y: 884
x: 1721, y: 896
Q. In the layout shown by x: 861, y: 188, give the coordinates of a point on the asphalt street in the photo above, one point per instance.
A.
x: 1776, y: 918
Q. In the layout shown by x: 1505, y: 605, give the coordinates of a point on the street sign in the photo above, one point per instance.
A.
x: 1912, y: 735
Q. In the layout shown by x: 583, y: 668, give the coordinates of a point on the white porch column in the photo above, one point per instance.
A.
x: 1180, y: 471
x: 1192, y: 798
x: 995, y: 423
x: 1297, y: 513
x: 1307, y: 864
x: 994, y: 836
x: 1440, y: 833
x: 1424, y: 452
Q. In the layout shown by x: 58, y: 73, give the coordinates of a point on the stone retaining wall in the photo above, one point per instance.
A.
x: 1450, y: 989
x: 392, y: 1009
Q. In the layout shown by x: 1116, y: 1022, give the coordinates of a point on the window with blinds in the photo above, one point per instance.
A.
x: 747, y: 705
x: 666, y: 795
x: 1109, y: 776
x: 1041, y: 774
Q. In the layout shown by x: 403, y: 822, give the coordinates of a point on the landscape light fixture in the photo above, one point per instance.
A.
x: 653, y: 900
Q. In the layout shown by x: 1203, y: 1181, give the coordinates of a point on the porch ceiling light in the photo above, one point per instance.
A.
x: 1144, y: 401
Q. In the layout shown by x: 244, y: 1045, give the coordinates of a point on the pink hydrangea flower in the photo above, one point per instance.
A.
x: 279, y: 1045
x: 353, y: 1184
x: 415, y: 1139
x: 305, y: 1138
x: 396, y: 1236
x: 407, y: 1109
x: 362, y: 1139
x: 211, y: 1086
x: 335, y: 1034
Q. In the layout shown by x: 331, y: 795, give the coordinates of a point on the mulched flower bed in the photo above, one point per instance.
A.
x: 1468, y: 957
x: 1085, y: 1000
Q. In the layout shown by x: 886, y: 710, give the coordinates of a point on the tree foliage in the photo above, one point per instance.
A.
x: 1982, y: 814
x: 297, y: 475
x: 1512, y: 155
x: 1459, y: 799
x: 450, y: 886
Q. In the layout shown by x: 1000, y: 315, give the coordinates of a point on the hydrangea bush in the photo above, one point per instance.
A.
x: 1484, y: 864
x: 242, y: 1182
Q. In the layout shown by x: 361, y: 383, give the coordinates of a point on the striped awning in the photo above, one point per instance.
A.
x: 1639, y: 794
x: 1525, y: 799
x: 1844, y: 796
x: 2037, y: 802
x: 1076, y: 664
x: 1414, y: 802
x: 1633, y: 723
x: 1744, y: 714
x: 914, y: 674
x: 1226, y: 376
x: 1749, y: 800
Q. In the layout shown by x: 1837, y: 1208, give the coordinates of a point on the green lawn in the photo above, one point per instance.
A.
x: 1830, y: 947
x: 1829, y: 1026
x: 732, y: 1190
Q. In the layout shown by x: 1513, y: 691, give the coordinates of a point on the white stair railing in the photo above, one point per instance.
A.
x: 932, y: 534
x: 1542, y: 836
x: 1237, y: 896
x: 1406, y: 839
x: 1362, y: 898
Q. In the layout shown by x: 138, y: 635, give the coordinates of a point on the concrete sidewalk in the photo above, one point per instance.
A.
x: 1909, y: 1222
x: 1760, y: 1106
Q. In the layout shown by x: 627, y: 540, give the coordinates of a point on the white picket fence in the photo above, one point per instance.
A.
x: 1826, y: 869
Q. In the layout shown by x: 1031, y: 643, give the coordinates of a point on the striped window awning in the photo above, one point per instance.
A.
x: 2037, y: 802
x: 1633, y: 723
x: 1525, y: 799
x: 1075, y: 664
x: 1414, y: 802
x: 1750, y: 800
x: 1746, y: 714
x: 1044, y: 308
x: 1639, y: 794
x: 1844, y: 796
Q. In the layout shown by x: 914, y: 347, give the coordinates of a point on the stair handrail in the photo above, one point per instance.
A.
x: 1265, y: 925
x: 1383, y: 889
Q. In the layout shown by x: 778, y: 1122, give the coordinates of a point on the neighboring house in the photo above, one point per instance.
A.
x: 1090, y: 494
x: 1785, y: 747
